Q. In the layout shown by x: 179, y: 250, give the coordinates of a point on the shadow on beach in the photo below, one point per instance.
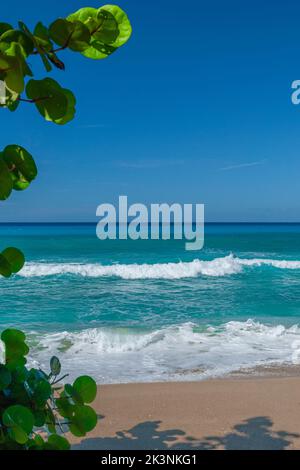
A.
x: 252, y: 434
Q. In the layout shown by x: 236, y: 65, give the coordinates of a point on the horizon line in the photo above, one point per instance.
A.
x: 149, y: 223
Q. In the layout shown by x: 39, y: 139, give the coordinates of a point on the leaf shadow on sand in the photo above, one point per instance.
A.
x: 252, y: 434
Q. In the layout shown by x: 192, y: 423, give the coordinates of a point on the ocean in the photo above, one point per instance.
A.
x: 147, y: 310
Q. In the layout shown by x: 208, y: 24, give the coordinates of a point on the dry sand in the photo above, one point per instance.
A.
x: 239, y: 413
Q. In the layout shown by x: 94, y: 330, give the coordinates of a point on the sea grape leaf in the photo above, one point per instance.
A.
x: 12, y: 68
x: 40, y: 43
x: 74, y: 35
x: 6, y: 184
x: 21, y: 164
x: 4, y: 27
x: 55, y: 365
x: 15, y: 347
x: 86, y: 387
x: 109, y: 28
x: 5, y: 269
x: 70, y: 113
x: 84, y: 419
x: 15, y: 35
x: 116, y: 25
x: 98, y: 50
x: 56, y: 442
x: 51, y: 100
x: 20, y: 421
x: 15, y: 258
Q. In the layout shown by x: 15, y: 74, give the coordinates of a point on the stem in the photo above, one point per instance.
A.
x: 36, y: 100
x: 58, y: 49
x: 60, y: 378
x: 98, y: 27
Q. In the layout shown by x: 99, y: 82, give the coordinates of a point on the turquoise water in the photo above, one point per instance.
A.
x: 149, y: 310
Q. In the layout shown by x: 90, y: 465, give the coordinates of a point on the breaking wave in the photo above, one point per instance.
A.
x: 179, y: 352
x: 217, y: 267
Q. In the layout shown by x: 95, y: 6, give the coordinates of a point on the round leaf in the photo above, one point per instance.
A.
x: 86, y: 387
x: 21, y: 164
x: 15, y: 258
x: 74, y: 35
x: 54, y: 103
x: 55, y: 365
x: 20, y: 421
x: 56, y: 442
x: 15, y: 35
x: 49, y: 98
x: 15, y: 347
x: 123, y: 29
x: 83, y: 420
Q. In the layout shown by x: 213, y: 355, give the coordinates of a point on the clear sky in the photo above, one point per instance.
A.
x: 195, y: 108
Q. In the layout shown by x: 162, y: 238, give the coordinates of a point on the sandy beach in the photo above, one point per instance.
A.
x: 235, y: 413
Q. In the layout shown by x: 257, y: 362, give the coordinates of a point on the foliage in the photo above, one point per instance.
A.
x: 91, y: 32
x: 35, y: 411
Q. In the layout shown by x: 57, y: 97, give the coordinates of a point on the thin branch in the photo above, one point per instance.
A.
x: 58, y: 49
x: 35, y: 100
x: 60, y: 378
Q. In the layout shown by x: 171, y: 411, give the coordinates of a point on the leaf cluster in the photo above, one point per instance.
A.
x: 93, y: 32
x: 35, y: 410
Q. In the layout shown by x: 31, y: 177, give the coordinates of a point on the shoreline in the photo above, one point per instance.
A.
x: 232, y: 413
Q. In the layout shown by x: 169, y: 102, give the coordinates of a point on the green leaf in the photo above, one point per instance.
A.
x: 98, y: 50
x: 41, y: 34
x: 56, y: 442
x: 72, y: 393
x: 83, y: 420
x: 12, y: 67
x: 124, y: 26
x: 15, y: 258
x: 11, y: 101
x: 42, y: 392
x: 15, y: 35
x: 86, y: 15
x: 39, y: 418
x: 20, y: 421
x: 22, y: 166
x: 6, y: 183
x: 55, y: 365
x: 4, y: 27
x: 86, y: 387
x: 64, y: 406
x: 54, y: 103
x: 5, y: 269
x: 15, y: 347
x: 5, y: 377
x: 70, y: 113
x: 74, y: 35
x: 116, y: 29
x: 108, y: 26
x: 42, y: 44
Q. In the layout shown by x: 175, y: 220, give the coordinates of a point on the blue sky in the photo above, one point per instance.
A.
x: 195, y: 108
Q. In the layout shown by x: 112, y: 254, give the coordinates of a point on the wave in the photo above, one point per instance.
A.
x: 217, y: 267
x: 182, y: 352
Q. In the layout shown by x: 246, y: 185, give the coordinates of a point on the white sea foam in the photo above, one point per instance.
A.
x: 184, y: 352
x: 217, y: 267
